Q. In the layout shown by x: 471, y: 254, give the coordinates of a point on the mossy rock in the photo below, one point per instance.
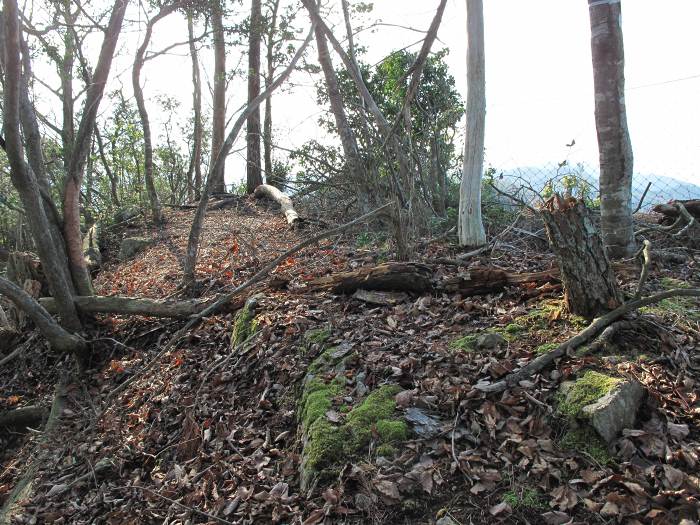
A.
x: 546, y: 348
x: 328, y: 445
x: 317, y: 336
x: 684, y: 307
x: 466, y: 343
x: 585, y: 391
x: 245, y: 324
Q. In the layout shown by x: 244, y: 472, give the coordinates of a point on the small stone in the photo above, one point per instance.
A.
x: 490, y: 341
x: 131, y: 246
x: 424, y: 425
x: 615, y: 411
x: 446, y: 520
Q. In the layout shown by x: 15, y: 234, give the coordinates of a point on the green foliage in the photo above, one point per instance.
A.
x: 585, y: 440
x: 244, y: 326
x: 466, y: 343
x: 546, y: 348
x: 524, y: 498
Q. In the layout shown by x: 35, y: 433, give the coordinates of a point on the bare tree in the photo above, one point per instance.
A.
x: 614, y: 145
x: 253, y: 171
x: 469, y: 223
x: 219, y: 104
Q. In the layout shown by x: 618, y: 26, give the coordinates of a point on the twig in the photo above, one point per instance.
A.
x: 646, y: 253
x: 582, y: 337
x: 226, y: 298
x: 514, y: 198
x: 174, y: 502
x: 641, y: 200
x: 17, y: 352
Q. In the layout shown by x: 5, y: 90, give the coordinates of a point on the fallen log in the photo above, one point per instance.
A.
x: 670, y: 210
x: 480, y: 281
x: 97, y: 304
x: 270, y: 192
x: 403, y: 277
x: 23, y: 417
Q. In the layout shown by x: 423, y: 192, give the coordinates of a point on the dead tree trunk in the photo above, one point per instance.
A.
x: 590, y: 286
x: 405, y: 277
x: 265, y: 190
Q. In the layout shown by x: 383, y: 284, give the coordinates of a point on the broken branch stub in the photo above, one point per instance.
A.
x: 270, y: 192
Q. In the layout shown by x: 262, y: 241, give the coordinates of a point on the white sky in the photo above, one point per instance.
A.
x: 539, y: 79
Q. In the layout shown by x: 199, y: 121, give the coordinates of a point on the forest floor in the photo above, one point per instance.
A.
x: 213, y: 435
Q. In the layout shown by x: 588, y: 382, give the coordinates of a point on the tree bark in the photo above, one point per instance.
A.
x: 219, y: 103
x: 91, y: 247
x: 470, y: 225
x: 614, y: 145
x: 253, y: 171
x: 23, y: 417
x: 188, y: 277
x: 113, y: 182
x: 269, y: 191
x: 154, y: 201
x: 590, y: 286
x: 195, y: 169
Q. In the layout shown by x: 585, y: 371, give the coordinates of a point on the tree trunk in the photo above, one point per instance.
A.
x: 253, y: 172
x: 590, y: 286
x: 196, y: 159
x: 91, y: 247
x: 23, y: 177
x: 219, y: 103
x: 615, y: 148
x: 267, y: 125
x: 113, y: 183
x: 23, y: 417
x: 469, y: 223
x: 83, y: 139
x: 154, y: 201
x: 353, y: 160
x: 269, y: 191
x: 406, y: 277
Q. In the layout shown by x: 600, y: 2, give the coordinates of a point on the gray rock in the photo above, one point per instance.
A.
x: 490, y: 341
x: 616, y: 410
x: 126, y: 214
x: 131, y: 246
x: 424, y: 425
x: 446, y: 520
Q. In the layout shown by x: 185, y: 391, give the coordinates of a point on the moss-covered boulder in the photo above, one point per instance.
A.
x: 245, y: 323
x: 608, y: 404
x: 131, y: 246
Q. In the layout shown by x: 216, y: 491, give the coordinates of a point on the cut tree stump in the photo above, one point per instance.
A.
x: 270, y: 192
x: 401, y: 277
x: 91, y: 248
x: 590, y: 286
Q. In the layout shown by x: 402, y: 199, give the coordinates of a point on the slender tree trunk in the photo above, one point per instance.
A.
x: 267, y: 125
x: 196, y: 159
x: 113, y: 185
x: 347, y: 136
x: 154, y: 201
x: 219, y: 104
x: 253, y: 172
x: 76, y: 167
x: 469, y: 222
x: 614, y: 146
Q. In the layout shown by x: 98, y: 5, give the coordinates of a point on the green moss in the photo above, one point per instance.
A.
x: 316, y: 400
x: 585, y: 440
x: 386, y: 450
x: 244, y: 326
x: 466, y: 343
x: 546, y: 348
x: 391, y: 430
x: 542, y: 317
x: 514, y: 328
x: 586, y: 390
x: 324, y: 447
x: 317, y: 336
x: 527, y: 498
x: 378, y: 405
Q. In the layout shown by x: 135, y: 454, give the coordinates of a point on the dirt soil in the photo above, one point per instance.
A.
x: 211, y: 435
